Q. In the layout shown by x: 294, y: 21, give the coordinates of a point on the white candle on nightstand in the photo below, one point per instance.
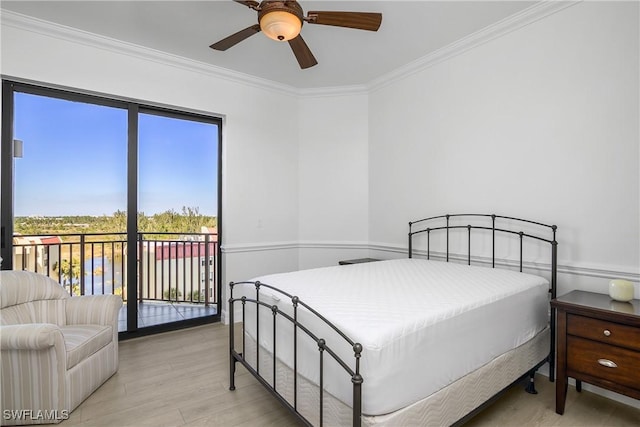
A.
x: 621, y: 290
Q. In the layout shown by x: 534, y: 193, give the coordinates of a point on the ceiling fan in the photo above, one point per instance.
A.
x: 282, y: 21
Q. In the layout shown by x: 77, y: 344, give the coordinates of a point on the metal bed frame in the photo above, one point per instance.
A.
x: 353, y: 370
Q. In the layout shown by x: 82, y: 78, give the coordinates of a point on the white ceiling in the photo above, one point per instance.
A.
x: 410, y: 30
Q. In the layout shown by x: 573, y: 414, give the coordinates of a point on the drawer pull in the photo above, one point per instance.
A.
x: 607, y: 332
x: 608, y: 363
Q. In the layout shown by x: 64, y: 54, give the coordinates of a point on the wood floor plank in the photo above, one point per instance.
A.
x: 582, y: 409
x: 180, y: 378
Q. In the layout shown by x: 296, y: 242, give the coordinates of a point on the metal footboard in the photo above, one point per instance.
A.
x: 323, y: 348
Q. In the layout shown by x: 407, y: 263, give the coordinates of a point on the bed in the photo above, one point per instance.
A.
x: 424, y: 340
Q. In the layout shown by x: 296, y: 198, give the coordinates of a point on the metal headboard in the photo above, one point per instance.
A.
x: 543, y: 236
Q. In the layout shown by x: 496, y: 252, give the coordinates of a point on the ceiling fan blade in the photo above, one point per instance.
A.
x: 236, y: 38
x: 358, y: 20
x: 249, y: 3
x: 302, y: 52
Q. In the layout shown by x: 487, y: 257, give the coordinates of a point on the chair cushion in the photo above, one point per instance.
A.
x: 81, y: 341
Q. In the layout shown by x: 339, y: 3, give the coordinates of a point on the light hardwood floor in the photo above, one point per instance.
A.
x: 180, y: 378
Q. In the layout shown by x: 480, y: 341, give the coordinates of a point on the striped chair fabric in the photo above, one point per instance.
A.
x: 56, y: 349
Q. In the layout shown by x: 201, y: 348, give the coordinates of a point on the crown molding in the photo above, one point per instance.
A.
x: 323, y: 92
x: 514, y: 22
x: 74, y: 35
x: 505, y: 26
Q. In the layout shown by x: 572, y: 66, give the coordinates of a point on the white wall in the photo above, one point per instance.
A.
x: 333, y: 179
x: 541, y: 123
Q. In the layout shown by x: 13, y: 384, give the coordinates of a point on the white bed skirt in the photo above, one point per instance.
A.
x: 441, y: 408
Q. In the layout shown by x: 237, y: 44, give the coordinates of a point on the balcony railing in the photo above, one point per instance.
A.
x: 172, y: 267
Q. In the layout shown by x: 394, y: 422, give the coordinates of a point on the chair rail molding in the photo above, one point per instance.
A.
x: 573, y: 268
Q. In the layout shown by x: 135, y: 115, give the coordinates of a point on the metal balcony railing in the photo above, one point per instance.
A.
x: 172, y: 267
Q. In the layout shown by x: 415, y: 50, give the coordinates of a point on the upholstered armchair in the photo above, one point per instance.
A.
x: 56, y: 349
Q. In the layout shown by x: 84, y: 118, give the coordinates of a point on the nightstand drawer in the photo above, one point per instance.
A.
x: 603, y: 361
x: 603, y: 331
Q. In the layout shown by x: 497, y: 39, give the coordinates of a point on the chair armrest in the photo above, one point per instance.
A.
x: 93, y: 309
x: 34, y: 366
x: 30, y: 336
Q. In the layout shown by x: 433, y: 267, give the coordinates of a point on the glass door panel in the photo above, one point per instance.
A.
x: 70, y: 193
x: 177, y: 218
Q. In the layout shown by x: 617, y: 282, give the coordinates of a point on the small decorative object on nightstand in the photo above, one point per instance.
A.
x: 621, y: 290
x: 357, y: 261
x: 598, y: 342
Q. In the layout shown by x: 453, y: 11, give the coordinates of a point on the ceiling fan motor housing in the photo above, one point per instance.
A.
x: 284, y: 10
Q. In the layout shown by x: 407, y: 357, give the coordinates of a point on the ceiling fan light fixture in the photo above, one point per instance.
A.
x: 280, y: 25
x: 282, y: 20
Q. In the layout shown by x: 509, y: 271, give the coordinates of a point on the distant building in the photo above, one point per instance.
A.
x: 180, y: 270
x: 36, y: 253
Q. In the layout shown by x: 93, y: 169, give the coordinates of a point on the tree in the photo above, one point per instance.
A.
x: 70, y: 273
x: 118, y: 222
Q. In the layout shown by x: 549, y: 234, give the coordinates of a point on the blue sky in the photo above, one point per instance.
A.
x: 75, y: 155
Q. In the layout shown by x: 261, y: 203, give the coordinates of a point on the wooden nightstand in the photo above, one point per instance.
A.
x: 598, y: 342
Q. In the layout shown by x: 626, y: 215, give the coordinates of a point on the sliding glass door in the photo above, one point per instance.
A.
x: 108, y: 196
x: 177, y: 217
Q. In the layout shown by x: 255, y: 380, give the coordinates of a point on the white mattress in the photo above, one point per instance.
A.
x: 422, y: 324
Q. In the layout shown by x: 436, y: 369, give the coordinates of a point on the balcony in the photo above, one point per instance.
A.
x: 176, y: 272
